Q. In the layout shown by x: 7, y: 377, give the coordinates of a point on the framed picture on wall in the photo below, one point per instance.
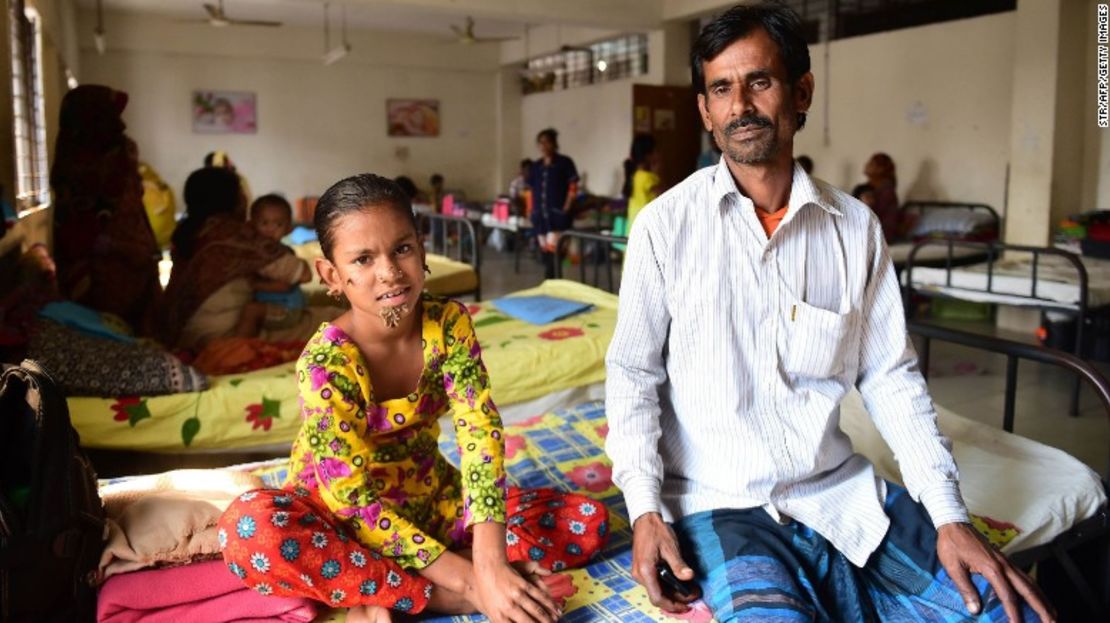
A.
x: 224, y: 112
x: 409, y: 117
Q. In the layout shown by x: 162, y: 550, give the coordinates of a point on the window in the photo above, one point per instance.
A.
x: 32, y: 175
x: 838, y: 19
x: 613, y: 59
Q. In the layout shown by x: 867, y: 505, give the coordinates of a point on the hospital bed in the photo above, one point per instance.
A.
x: 1055, y: 282
x: 1036, y: 503
x: 453, y: 257
x: 455, y: 250
x: 944, y: 220
x: 532, y: 369
x: 598, y: 253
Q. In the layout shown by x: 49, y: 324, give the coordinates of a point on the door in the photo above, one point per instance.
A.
x: 669, y: 114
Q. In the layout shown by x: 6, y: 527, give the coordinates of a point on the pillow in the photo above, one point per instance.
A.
x: 957, y: 221
x: 539, y: 309
x: 90, y: 366
x: 167, y: 518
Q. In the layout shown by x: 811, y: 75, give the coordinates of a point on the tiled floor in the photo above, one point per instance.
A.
x: 967, y: 381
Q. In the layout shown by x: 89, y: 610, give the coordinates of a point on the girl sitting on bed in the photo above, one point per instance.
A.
x: 372, y: 516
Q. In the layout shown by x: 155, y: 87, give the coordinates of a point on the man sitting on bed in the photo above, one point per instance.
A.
x: 753, y: 299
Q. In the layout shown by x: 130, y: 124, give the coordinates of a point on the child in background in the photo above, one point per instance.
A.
x: 866, y: 194
x: 438, y: 191
x: 520, y: 183
x: 372, y: 516
x: 277, y: 305
x: 643, y: 181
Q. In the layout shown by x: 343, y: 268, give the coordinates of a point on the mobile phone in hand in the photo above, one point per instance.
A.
x: 673, y: 586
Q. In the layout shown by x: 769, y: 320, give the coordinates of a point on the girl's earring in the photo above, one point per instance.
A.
x: 335, y: 294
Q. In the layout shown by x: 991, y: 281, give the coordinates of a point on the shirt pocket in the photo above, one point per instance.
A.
x: 816, y: 340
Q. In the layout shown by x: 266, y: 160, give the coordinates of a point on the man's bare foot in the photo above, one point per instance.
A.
x: 369, y: 614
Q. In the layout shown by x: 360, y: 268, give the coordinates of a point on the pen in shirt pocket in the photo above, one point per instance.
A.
x: 793, y: 312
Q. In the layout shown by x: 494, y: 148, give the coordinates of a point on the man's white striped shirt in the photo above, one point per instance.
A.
x: 732, y: 353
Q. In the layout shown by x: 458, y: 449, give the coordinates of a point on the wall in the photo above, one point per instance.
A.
x: 316, y: 123
x: 1096, y: 141
x: 595, y: 129
x: 1075, y: 112
x: 936, y: 98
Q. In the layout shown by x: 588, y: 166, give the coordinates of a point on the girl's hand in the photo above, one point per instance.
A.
x: 508, y: 597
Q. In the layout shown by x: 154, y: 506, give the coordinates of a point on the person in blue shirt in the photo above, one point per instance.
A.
x: 553, y: 179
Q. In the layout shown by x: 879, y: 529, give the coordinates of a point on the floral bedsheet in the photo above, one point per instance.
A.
x: 260, y: 409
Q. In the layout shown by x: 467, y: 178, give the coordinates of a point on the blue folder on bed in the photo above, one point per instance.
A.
x: 540, y: 309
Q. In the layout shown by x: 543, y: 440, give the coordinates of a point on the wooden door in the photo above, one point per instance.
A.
x: 669, y: 114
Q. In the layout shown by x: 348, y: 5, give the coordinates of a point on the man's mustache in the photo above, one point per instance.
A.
x: 752, y: 120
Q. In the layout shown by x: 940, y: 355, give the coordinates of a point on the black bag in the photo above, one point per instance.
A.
x: 51, y: 517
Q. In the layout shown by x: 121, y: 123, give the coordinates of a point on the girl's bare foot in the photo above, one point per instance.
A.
x: 368, y: 614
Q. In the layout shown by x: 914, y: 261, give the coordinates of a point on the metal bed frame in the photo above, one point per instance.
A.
x: 993, y: 251
x: 1087, y: 532
x: 923, y: 207
x: 455, y: 238
x: 589, y: 243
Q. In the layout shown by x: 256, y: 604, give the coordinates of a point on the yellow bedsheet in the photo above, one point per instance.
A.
x: 448, y: 277
x: 260, y: 408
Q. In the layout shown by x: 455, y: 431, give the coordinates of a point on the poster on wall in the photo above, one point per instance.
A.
x: 641, y: 119
x: 224, y: 112
x: 408, y: 117
x: 664, y: 119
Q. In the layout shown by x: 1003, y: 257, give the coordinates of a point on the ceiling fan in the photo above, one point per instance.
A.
x: 466, y: 34
x: 218, y: 18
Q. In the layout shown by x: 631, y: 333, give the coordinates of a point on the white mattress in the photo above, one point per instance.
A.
x: 1041, y: 490
x: 1012, y: 282
x: 900, y: 253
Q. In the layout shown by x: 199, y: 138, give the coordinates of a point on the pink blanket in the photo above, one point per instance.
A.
x: 203, y: 591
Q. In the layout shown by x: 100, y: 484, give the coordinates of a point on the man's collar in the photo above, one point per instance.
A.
x: 802, y: 190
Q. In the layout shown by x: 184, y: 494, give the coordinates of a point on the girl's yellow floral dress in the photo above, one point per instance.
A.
x: 372, y: 470
x: 378, y: 463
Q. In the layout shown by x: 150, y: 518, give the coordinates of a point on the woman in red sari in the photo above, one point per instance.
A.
x: 105, y: 250
x: 217, y: 259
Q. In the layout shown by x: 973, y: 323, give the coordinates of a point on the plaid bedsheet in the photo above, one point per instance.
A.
x: 564, y: 450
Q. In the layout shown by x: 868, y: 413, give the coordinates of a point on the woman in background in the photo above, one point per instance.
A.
x: 881, y: 178
x: 217, y: 257
x: 106, y: 253
x: 553, y: 180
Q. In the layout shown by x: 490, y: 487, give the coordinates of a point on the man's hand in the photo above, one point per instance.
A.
x: 962, y: 550
x: 652, y: 541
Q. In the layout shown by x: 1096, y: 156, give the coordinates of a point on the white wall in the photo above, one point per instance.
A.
x: 936, y: 98
x: 316, y: 124
x: 1096, y: 149
x: 595, y: 129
